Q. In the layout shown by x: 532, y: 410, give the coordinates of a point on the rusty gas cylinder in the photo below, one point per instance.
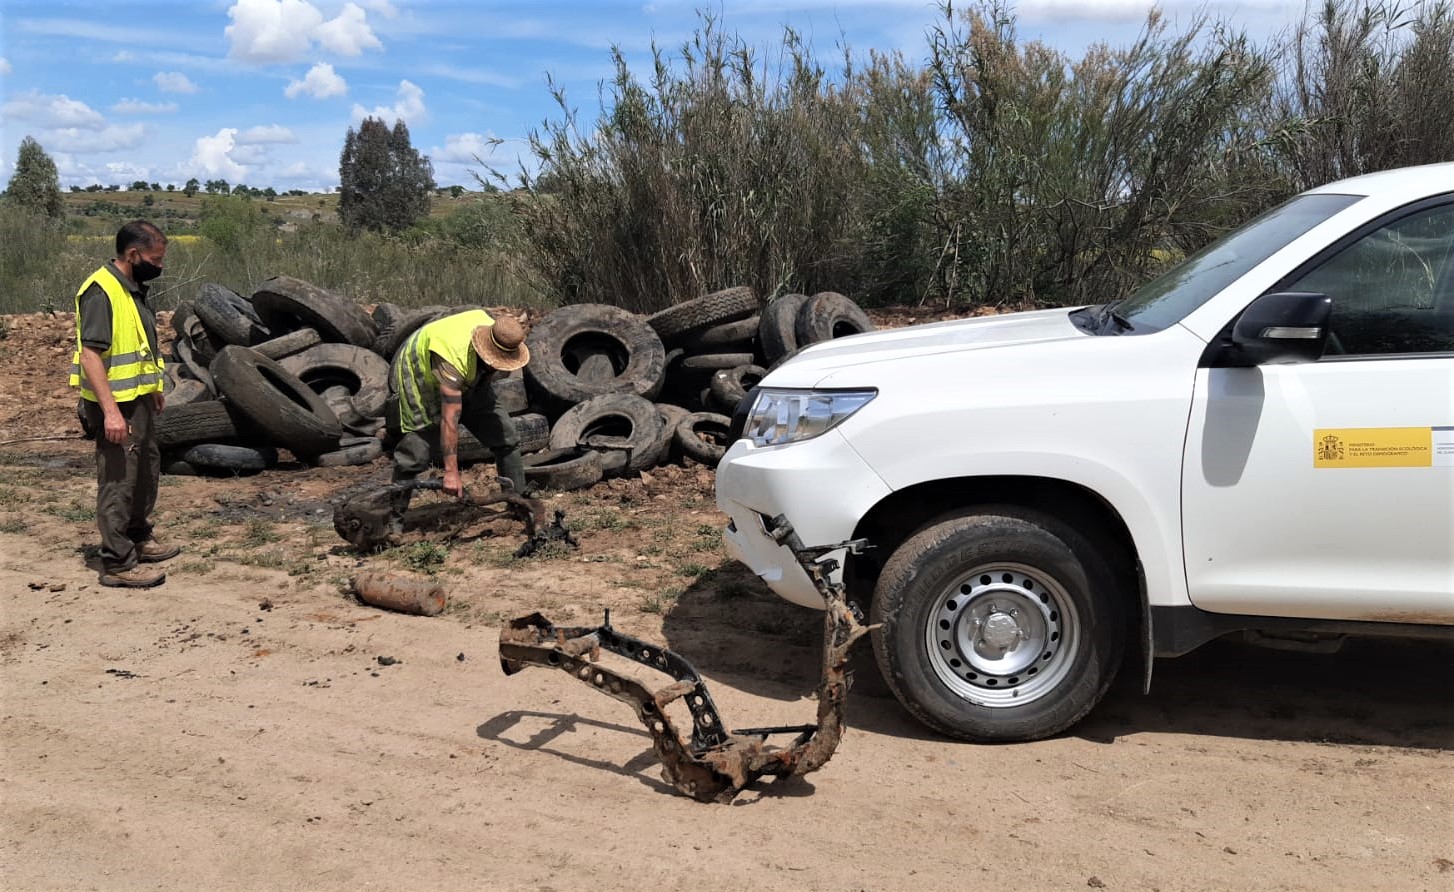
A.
x: 420, y: 597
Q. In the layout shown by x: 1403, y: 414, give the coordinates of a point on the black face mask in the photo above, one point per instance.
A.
x: 144, y: 270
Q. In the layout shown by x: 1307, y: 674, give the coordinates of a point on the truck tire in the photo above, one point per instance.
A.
x: 998, y: 625
x: 703, y: 436
x: 563, y: 469
x: 561, y: 341
x: 276, y: 402
x: 777, y: 328
x: 288, y: 304
x: 359, y: 369
x: 203, y: 422
x: 828, y: 315
x: 229, y: 315
x: 288, y: 344
x: 613, y: 421
x: 677, y: 323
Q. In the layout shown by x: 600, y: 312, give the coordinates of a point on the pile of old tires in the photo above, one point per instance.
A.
x: 607, y: 392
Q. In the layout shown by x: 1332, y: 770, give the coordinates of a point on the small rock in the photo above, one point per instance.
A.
x: 387, y: 661
x: 374, y: 674
x: 459, y: 657
x: 58, y: 587
x: 1096, y: 883
x: 265, y: 604
x: 1229, y: 850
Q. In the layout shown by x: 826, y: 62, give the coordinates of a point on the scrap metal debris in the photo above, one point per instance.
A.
x: 713, y: 764
x: 365, y: 521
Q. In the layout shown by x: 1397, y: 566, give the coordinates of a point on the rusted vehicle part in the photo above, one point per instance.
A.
x: 712, y: 764
x: 390, y: 591
x: 364, y: 521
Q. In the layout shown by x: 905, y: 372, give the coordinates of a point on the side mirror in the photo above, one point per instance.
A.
x: 1286, y: 326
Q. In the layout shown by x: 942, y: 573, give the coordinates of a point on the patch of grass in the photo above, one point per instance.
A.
x: 260, y: 532
x: 12, y: 525
x: 269, y: 560
x: 424, y: 557
x: 660, y: 602
x: 74, y: 512
x: 197, y: 566
x: 694, y: 570
x: 607, y: 519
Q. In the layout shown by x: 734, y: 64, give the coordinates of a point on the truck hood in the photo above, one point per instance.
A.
x: 809, y: 368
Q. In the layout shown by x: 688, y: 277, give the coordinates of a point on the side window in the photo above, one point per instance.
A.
x: 1393, y: 289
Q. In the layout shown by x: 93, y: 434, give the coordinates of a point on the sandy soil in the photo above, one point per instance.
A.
x: 235, y: 728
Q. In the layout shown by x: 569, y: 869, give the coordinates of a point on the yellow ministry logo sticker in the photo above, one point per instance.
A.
x: 1383, y: 447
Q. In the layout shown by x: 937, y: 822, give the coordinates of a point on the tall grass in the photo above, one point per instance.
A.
x: 1001, y: 171
x: 723, y: 167
x: 41, y: 267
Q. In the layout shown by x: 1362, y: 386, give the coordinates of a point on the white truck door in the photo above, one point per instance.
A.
x: 1326, y: 489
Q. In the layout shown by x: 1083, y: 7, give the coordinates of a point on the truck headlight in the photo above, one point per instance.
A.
x: 788, y: 416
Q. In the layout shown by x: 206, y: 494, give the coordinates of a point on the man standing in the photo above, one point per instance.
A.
x: 119, y: 371
x: 441, y: 375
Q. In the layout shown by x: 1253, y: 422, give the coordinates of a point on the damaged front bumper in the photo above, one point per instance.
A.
x: 711, y: 763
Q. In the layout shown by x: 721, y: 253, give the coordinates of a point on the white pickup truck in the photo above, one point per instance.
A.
x: 1260, y: 440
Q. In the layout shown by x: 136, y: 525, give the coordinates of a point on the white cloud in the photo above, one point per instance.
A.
x: 52, y: 111
x: 174, y: 82
x: 138, y: 107
x: 123, y: 56
x: 464, y: 148
x: 213, y: 155
x: 272, y: 134
x: 268, y: 31
x: 271, y: 30
x: 349, y: 34
x: 4, y: 65
x: 320, y: 82
x: 409, y: 107
x: 90, y: 140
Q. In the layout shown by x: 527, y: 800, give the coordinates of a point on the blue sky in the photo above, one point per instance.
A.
x: 262, y: 91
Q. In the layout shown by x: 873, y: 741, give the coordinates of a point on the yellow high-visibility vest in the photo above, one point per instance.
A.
x: 413, y: 370
x: 131, y: 366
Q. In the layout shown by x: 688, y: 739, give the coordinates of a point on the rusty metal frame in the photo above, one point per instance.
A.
x: 712, y: 764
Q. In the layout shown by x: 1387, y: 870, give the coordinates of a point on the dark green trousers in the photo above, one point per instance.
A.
x: 482, y: 416
x: 126, y: 480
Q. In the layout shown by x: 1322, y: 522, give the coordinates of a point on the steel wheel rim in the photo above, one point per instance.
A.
x: 1003, y: 635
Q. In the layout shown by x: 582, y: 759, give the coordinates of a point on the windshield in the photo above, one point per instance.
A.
x: 1171, y: 296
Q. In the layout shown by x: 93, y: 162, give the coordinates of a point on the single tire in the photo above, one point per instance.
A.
x: 677, y: 323
x: 351, y: 451
x: 204, y: 422
x: 177, y: 468
x: 777, y: 328
x: 711, y: 362
x: 392, y: 336
x: 1000, y: 625
x: 828, y: 315
x: 288, y: 344
x: 229, y: 315
x: 613, y: 421
x: 510, y: 394
x: 729, y: 337
x: 560, y: 340
x: 276, y: 401
x: 730, y: 386
x: 563, y: 469
x: 704, y: 436
x: 361, y: 370
x: 229, y: 459
x: 288, y: 304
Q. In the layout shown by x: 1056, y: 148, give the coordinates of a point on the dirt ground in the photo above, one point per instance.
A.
x: 238, y: 729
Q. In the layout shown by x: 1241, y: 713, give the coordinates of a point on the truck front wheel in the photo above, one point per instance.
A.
x: 1000, y: 625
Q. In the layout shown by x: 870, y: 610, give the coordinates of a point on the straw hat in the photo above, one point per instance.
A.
x: 502, y: 345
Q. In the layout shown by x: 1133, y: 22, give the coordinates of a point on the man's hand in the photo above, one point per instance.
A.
x: 453, y: 486
x: 159, y: 401
x: 116, y: 428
